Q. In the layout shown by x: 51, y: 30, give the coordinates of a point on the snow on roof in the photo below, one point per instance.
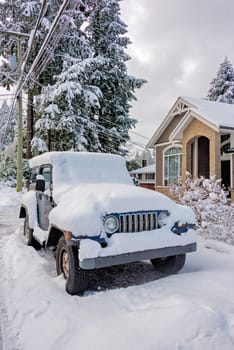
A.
x: 218, y: 113
x: 52, y: 157
x: 145, y: 170
x: 73, y: 168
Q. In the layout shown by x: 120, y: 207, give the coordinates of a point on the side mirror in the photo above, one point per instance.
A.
x: 40, y: 183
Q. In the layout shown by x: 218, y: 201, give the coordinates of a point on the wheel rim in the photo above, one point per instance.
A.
x: 64, y: 263
x: 163, y: 261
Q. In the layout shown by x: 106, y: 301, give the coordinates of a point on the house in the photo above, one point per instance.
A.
x: 196, y: 135
x: 145, y: 176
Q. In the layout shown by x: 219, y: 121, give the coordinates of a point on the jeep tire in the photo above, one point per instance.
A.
x: 67, y: 263
x: 169, y: 265
x: 28, y: 233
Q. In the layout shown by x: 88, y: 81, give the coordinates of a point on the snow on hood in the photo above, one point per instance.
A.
x: 81, y: 209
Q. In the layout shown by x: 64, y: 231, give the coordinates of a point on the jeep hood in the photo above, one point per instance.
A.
x: 81, y: 209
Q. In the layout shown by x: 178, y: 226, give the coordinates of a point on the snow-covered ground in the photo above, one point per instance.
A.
x: 191, y: 310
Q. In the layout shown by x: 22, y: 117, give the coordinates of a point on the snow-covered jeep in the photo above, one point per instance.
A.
x: 86, y: 207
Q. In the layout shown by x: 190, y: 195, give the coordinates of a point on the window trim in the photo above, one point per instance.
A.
x: 163, y: 162
x: 32, y: 184
x: 51, y: 170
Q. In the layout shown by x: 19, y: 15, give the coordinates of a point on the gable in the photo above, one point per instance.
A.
x: 216, y: 115
x: 174, y: 122
x: 173, y: 117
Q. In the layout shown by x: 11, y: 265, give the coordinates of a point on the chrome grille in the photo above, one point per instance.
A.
x: 137, y: 222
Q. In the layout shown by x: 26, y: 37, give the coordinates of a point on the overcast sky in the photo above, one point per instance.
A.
x: 177, y: 46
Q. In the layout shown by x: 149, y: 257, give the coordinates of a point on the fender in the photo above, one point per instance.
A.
x: 29, y: 208
x: 53, y: 236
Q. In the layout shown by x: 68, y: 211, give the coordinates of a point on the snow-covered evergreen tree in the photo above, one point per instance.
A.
x: 88, y: 92
x: 21, y: 16
x: 107, y: 32
x: 67, y: 106
x: 222, y: 86
x: 10, y: 132
x: 68, y: 110
x: 15, y: 16
x: 88, y: 106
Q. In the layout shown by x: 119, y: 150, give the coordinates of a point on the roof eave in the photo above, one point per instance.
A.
x: 226, y: 128
x: 161, y: 127
x: 167, y: 120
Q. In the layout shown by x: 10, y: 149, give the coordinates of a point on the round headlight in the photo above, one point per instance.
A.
x: 162, y: 218
x: 111, y: 224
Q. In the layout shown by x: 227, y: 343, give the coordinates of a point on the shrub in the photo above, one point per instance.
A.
x: 208, y: 199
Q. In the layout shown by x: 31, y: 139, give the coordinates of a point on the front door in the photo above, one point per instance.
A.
x: 225, y: 174
x: 203, y: 157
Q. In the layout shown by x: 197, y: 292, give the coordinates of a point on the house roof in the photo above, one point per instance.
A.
x: 217, y: 115
x: 145, y: 170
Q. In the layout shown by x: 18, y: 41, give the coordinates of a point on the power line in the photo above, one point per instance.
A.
x: 21, y: 84
x: 2, y: 95
x: 116, y: 139
x: 23, y: 64
x: 44, y: 56
x: 50, y: 51
x: 103, y: 131
x: 46, y: 41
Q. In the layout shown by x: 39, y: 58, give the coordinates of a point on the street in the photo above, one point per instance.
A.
x: 8, y: 225
x: 196, y: 306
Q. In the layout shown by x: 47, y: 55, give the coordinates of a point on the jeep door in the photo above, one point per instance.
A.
x: 45, y: 199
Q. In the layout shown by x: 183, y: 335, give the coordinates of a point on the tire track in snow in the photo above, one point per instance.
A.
x: 8, y: 224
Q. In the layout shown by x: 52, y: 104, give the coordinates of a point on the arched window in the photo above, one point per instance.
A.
x: 172, y: 164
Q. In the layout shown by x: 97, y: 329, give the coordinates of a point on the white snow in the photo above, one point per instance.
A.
x: 81, y: 209
x: 191, y: 310
x: 29, y: 201
x: 88, y: 186
x: 218, y: 113
x: 84, y: 167
x: 140, y: 241
x: 145, y: 170
x: 8, y: 196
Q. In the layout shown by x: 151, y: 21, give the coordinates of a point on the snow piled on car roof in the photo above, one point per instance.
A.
x: 84, y: 168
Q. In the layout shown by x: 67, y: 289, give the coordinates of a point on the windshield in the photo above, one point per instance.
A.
x: 73, y: 168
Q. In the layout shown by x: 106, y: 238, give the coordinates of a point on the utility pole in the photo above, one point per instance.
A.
x: 20, y: 109
x: 20, y: 124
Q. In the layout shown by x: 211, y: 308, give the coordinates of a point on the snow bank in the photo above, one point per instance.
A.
x: 8, y: 196
x: 192, y: 310
x: 195, y: 307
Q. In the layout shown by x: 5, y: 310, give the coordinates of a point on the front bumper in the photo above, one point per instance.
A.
x: 99, y: 262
